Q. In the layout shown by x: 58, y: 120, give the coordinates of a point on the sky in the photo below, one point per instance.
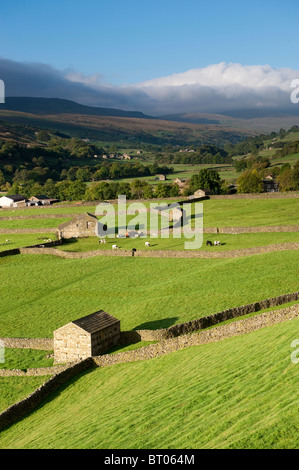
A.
x: 153, y: 56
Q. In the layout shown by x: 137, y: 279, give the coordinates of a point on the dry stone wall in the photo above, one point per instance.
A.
x: 207, y: 321
x: 166, y: 346
x: 23, y: 407
x: 164, y: 253
x: 44, y: 344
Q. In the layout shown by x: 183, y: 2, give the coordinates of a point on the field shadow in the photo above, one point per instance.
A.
x: 157, y: 324
x: 70, y: 241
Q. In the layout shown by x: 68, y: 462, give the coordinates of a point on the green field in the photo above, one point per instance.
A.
x: 26, y: 359
x: 216, y: 213
x: 228, y: 242
x: 17, y: 240
x: 237, y: 393
x: 141, y: 292
x: 14, y: 389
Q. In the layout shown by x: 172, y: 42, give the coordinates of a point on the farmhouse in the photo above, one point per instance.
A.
x: 269, y: 185
x: 15, y: 200
x: 83, y: 225
x: 89, y: 336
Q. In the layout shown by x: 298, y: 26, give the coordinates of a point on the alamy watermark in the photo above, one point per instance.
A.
x: 158, y: 221
x: 295, y: 93
x: 295, y: 353
x: 2, y: 92
x: 2, y: 352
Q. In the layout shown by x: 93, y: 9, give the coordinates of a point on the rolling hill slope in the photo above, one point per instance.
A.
x: 237, y: 393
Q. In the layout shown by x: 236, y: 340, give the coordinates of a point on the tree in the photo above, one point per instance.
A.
x: 83, y: 174
x: 138, y: 188
x: 250, y: 181
x: 206, y: 179
x: 2, y: 179
x: 285, y: 180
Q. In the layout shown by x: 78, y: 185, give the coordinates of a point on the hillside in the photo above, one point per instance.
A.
x: 252, y: 121
x: 237, y: 393
x: 45, y: 106
x: 114, y: 125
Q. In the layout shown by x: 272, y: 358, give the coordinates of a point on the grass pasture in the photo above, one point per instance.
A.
x: 229, y: 242
x: 236, y: 393
x: 216, y: 213
x: 17, y: 240
x: 141, y: 292
x: 14, y: 389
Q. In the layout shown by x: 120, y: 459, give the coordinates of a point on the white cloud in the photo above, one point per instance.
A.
x: 223, y: 86
x: 215, y: 88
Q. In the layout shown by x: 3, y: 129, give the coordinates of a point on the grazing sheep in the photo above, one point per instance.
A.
x: 102, y: 240
x: 114, y: 247
x: 147, y: 244
x: 133, y: 251
x: 217, y: 243
x: 209, y: 243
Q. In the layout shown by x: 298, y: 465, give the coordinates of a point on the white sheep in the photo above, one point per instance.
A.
x: 217, y: 243
x: 114, y: 247
x: 147, y: 244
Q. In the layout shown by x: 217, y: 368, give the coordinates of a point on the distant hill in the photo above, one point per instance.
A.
x: 111, y: 125
x: 260, y: 121
x: 49, y: 106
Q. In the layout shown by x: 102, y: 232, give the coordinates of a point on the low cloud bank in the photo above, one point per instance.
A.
x: 213, y: 89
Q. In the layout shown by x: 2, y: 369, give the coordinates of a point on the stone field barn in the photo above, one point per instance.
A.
x: 83, y: 225
x: 89, y: 336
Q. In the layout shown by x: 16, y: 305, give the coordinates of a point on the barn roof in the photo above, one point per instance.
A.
x: 16, y: 197
x: 96, y: 321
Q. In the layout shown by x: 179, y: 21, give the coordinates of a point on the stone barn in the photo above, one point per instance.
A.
x: 83, y: 225
x: 89, y: 336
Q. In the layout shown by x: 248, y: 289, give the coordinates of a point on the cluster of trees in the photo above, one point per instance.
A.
x: 77, y: 190
x: 251, y: 180
x: 41, y: 169
x: 206, y: 154
x: 253, y: 145
x: 206, y: 179
x: 287, y: 149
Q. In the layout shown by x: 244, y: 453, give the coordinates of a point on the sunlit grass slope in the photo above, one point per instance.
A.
x: 141, y: 292
x: 237, y: 393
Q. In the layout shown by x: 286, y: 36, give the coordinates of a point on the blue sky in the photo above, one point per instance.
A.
x: 129, y: 41
x: 159, y: 56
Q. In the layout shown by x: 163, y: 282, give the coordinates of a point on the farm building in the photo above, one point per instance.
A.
x: 202, y: 192
x: 270, y: 186
x: 15, y: 200
x: 160, y: 178
x: 83, y: 225
x: 89, y: 336
x: 40, y: 201
x: 172, y: 214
